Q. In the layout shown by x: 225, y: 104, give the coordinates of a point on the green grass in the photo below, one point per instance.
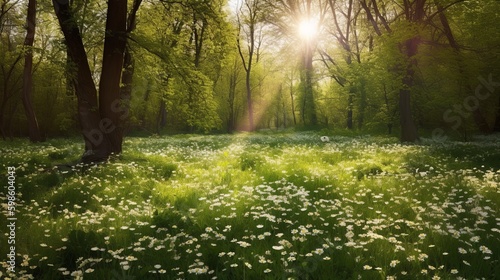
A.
x: 257, y: 206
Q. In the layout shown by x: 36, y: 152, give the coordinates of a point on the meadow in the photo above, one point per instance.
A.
x: 256, y: 206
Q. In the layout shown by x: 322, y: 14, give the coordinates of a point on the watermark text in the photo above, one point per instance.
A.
x: 11, y: 218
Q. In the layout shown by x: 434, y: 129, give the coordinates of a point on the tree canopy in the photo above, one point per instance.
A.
x: 400, y: 67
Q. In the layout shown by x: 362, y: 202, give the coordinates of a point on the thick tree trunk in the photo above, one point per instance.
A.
x: 96, y: 144
x: 408, y: 128
x: 110, y: 101
x: 101, y: 125
x: 33, y: 128
x: 70, y: 90
x: 414, y: 13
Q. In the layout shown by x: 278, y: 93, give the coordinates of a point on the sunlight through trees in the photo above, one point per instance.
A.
x: 308, y: 29
x: 249, y: 139
x: 409, y: 69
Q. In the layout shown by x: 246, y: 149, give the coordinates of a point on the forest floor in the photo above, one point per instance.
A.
x: 253, y: 206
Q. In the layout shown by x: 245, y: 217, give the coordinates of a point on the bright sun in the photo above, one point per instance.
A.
x: 308, y: 29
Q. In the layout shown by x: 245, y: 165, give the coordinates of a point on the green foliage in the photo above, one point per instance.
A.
x: 188, y: 76
x: 182, y: 74
x: 249, y: 161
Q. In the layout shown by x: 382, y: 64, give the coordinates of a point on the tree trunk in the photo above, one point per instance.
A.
x: 362, y: 108
x: 96, y: 145
x: 101, y: 125
x: 110, y: 101
x: 249, y: 102
x: 283, y: 105
x: 161, y: 121
x: 410, y: 48
x: 144, y: 108
x: 233, y: 80
x: 248, y: 64
x: 293, y: 102
x: 390, y: 118
x: 308, y: 109
x: 414, y: 13
x: 408, y: 128
x: 33, y: 129
x: 70, y: 89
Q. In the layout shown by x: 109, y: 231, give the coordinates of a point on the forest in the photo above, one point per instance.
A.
x: 407, y: 68
x: 250, y: 139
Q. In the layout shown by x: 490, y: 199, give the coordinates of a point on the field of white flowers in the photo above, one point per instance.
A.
x: 256, y: 206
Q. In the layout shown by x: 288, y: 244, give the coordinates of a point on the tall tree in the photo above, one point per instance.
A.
x: 8, y: 65
x: 301, y: 21
x: 96, y: 147
x: 413, y: 13
x: 308, y: 104
x: 101, y: 124
x: 33, y: 128
x: 345, y: 19
x: 234, y: 79
x: 249, y: 17
x: 112, y: 65
x: 479, y: 118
